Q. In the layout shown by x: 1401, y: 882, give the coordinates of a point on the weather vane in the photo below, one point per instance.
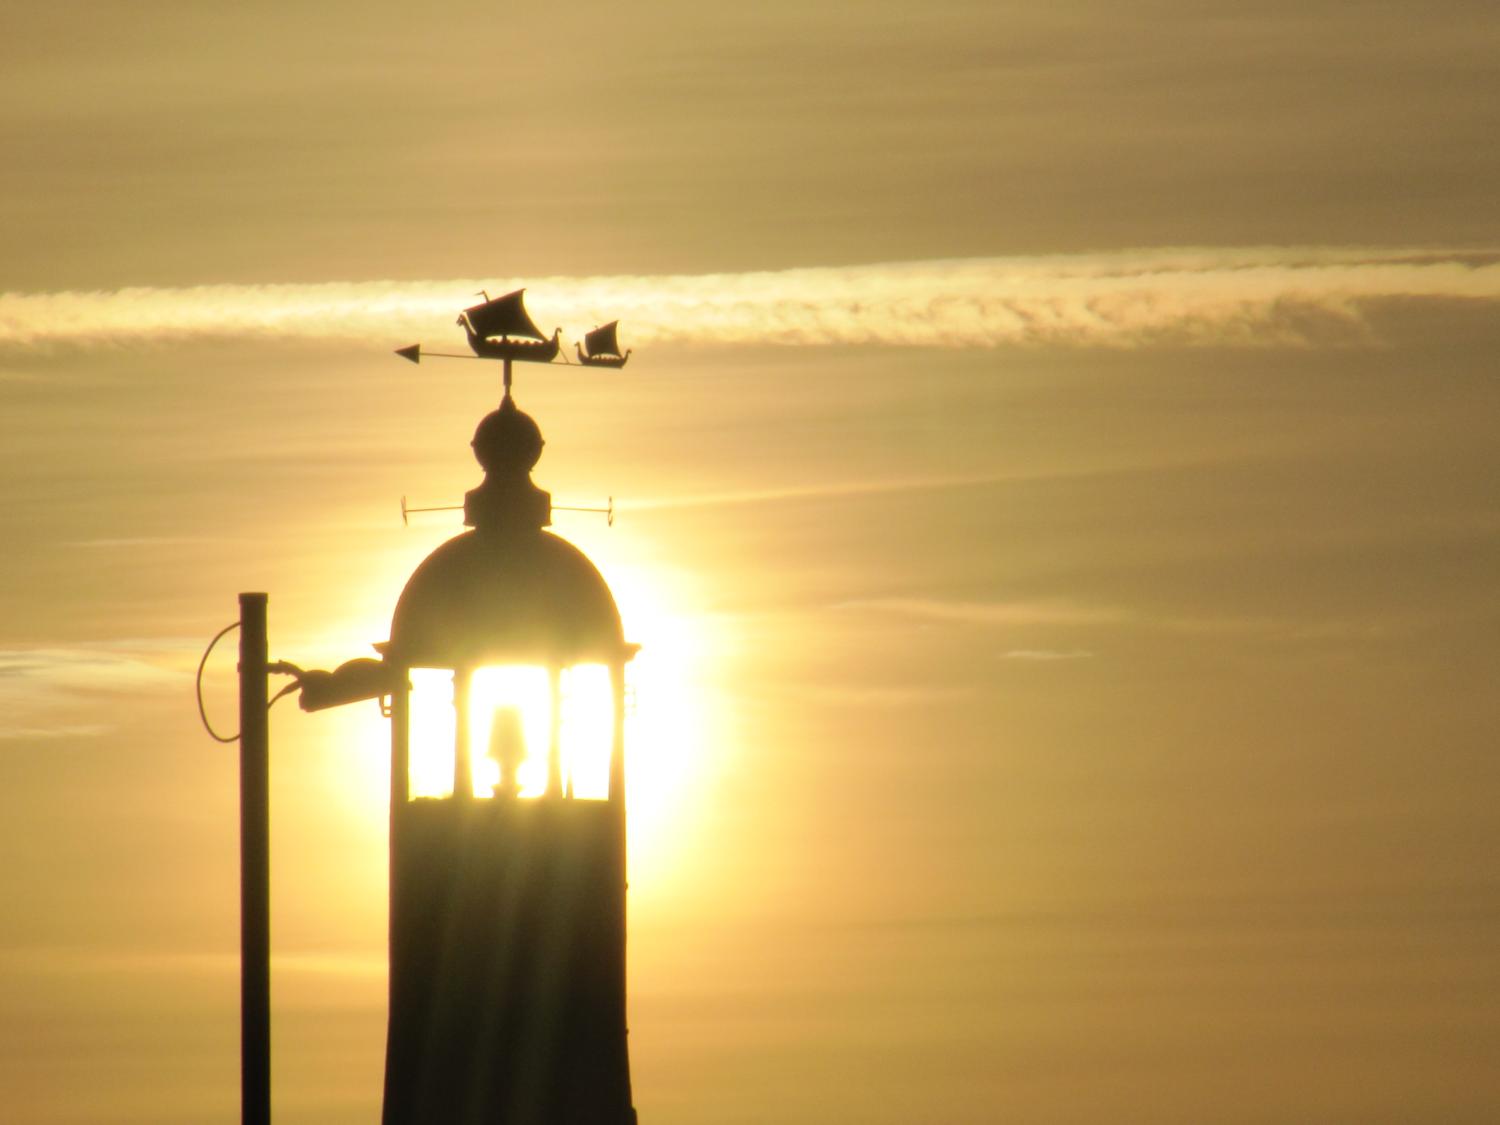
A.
x: 500, y: 328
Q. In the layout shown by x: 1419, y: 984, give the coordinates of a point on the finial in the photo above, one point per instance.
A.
x: 507, y: 444
x: 507, y: 440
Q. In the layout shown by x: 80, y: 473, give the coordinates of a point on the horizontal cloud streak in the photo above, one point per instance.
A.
x: 69, y: 693
x: 1048, y: 655
x: 992, y: 613
x: 98, y: 668
x: 1168, y: 297
x: 829, y: 490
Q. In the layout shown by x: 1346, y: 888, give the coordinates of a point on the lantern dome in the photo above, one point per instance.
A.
x: 507, y: 592
x: 491, y: 599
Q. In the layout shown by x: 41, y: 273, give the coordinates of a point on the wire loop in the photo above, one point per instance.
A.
x: 202, y: 712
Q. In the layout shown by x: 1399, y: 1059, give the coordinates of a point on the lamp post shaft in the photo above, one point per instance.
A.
x: 255, y: 867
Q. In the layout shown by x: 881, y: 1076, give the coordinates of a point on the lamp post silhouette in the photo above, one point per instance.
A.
x: 504, y: 682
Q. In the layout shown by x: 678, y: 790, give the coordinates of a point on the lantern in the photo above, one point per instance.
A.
x: 507, y: 965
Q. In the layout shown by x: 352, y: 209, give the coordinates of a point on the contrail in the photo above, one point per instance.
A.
x: 1274, y: 295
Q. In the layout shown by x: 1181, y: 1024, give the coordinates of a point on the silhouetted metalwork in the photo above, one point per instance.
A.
x: 501, y: 329
x: 351, y: 682
x: 507, y: 899
x: 255, y: 867
x: 507, y: 908
x: 415, y: 352
x: 608, y: 511
x: 601, y: 347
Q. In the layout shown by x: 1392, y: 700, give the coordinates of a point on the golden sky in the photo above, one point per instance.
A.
x: 1057, y: 491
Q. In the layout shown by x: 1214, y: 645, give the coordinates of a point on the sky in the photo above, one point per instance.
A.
x: 1056, y: 495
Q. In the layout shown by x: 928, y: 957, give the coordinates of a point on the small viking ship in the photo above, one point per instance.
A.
x: 500, y: 329
x: 601, y: 348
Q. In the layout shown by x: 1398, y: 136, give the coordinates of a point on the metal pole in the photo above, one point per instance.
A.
x: 463, y: 737
x: 255, y: 867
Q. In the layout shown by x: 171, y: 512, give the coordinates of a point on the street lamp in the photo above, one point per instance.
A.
x: 504, y: 680
x: 507, y: 667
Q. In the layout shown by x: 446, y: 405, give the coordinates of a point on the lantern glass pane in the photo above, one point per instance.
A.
x: 430, y: 733
x: 507, y: 703
x: 510, y: 720
x: 588, y: 729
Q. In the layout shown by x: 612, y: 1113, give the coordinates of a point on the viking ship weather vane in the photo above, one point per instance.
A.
x: 500, y: 328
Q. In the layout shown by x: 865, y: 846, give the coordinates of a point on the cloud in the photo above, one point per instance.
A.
x: 111, y: 544
x: 1046, y: 655
x: 64, y: 693
x: 878, y: 695
x: 1276, y: 296
x: 72, y: 962
x: 991, y: 613
x: 30, y: 734
x: 809, y: 492
x: 1071, y: 615
x: 102, y: 668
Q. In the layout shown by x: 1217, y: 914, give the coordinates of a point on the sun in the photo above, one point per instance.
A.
x: 665, y: 736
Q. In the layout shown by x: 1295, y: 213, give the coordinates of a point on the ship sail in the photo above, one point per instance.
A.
x: 502, y: 317
x: 602, y: 341
x: 603, y: 348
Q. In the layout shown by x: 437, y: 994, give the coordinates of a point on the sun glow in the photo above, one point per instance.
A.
x: 665, y: 751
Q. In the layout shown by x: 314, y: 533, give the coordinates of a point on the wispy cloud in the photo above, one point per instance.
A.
x: 62, y: 693
x: 1282, y: 296
x: 809, y: 492
x: 74, y: 961
x: 148, y: 541
x: 101, y: 668
x: 991, y: 613
x: 1048, y: 655
x: 28, y: 734
x: 1073, y: 616
x: 885, y: 696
